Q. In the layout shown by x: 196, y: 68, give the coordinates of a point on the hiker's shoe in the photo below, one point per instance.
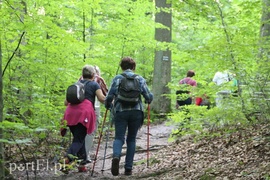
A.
x: 88, y: 161
x: 65, y: 168
x: 82, y: 162
x: 82, y: 168
x: 128, y: 172
x: 115, y: 166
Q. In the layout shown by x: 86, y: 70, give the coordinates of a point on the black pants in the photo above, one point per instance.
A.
x: 188, y: 101
x: 77, y: 148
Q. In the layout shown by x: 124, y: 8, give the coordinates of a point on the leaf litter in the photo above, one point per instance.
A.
x: 243, y: 154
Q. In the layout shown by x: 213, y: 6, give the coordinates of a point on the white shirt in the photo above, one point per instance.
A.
x: 220, y: 78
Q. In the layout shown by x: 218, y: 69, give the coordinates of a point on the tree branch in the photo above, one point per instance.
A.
x: 18, y: 45
x: 14, y: 11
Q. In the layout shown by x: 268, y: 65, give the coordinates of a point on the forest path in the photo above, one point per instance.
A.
x: 242, y: 154
x: 158, y: 139
x: 159, y: 135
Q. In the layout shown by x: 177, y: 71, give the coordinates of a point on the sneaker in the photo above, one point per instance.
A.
x: 65, y: 168
x: 115, y: 166
x: 82, y: 168
x: 128, y: 172
x: 84, y: 162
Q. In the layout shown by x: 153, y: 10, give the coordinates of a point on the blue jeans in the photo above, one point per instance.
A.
x: 131, y: 121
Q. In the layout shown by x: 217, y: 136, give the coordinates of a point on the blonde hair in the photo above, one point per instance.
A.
x: 97, y: 70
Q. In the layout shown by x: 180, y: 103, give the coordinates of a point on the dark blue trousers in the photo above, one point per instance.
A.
x: 77, y: 148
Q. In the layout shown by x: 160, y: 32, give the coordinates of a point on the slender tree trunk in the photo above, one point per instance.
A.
x: 265, y: 30
x: 2, y: 162
x: 84, y: 33
x: 162, y: 66
x: 2, y: 167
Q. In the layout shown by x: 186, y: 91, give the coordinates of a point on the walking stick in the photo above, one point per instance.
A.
x: 148, y: 134
x: 106, y: 145
x: 100, y: 136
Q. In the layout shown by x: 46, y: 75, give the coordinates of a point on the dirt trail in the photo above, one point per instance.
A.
x: 242, y: 155
x: 159, y: 135
x: 158, y: 139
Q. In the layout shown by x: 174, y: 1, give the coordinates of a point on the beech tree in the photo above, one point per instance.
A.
x: 163, y: 60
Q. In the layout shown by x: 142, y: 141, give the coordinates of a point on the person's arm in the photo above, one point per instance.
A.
x: 148, y: 96
x: 112, y: 92
x: 100, y: 96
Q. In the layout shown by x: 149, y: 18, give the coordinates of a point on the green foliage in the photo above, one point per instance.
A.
x: 214, y: 36
x: 59, y: 37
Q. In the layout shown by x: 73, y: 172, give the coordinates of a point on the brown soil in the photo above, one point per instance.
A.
x: 244, y: 154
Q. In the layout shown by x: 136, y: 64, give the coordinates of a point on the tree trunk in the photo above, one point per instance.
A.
x: 162, y: 66
x: 263, y: 72
x: 265, y: 30
x: 2, y: 167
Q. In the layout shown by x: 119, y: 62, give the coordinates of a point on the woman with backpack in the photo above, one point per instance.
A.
x: 126, y: 116
x: 80, y: 118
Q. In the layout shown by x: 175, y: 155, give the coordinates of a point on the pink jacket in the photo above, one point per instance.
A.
x: 188, y: 80
x: 83, y: 113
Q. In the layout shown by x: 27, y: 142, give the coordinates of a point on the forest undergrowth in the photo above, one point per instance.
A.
x: 243, y: 153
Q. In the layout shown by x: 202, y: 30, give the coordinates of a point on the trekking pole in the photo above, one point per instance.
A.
x: 106, y: 145
x: 100, y: 136
x: 148, y: 134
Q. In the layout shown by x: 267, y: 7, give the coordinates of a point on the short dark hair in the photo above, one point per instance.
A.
x: 128, y: 63
x: 190, y: 73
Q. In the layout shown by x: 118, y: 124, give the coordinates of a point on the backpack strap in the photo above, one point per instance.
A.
x: 85, y: 82
x: 124, y: 74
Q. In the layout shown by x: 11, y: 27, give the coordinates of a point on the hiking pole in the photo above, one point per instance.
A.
x: 106, y: 145
x: 148, y: 134
x: 100, y: 136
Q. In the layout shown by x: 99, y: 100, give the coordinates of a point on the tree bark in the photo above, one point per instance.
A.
x: 265, y: 30
x: 162, y: 65
x: 265, y: 27
x: 2, y: 167
x: 263, y: 72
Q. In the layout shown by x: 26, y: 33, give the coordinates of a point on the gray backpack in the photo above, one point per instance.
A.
x: 129, y: 91
x: 75, y: 93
